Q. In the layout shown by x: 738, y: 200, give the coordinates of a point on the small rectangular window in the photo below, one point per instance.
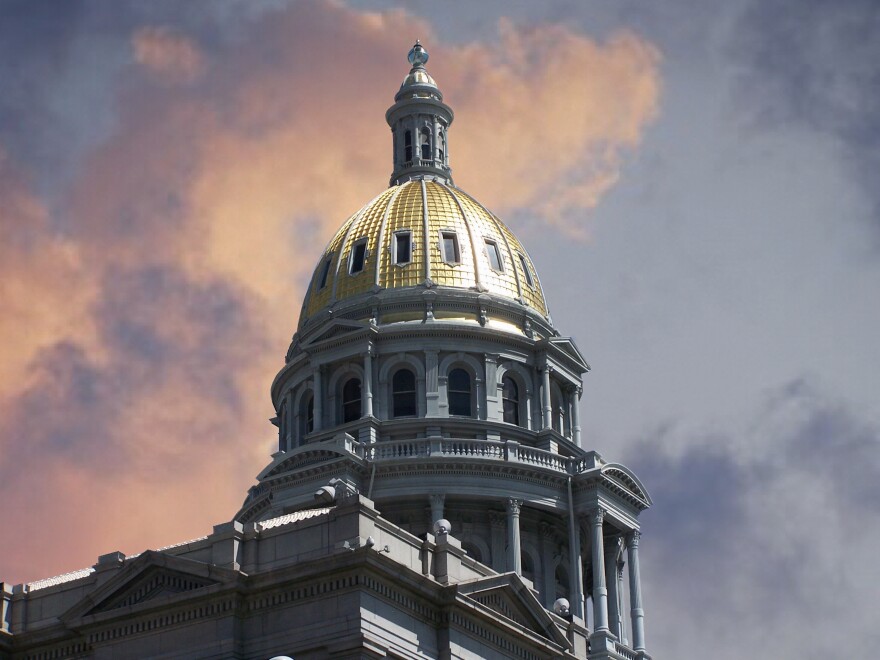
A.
x: 449, y: 247
x: 325, y: 271
x: 402, y: 247
x: 494, y: 255
x: 526, y: 271
x: 358, y: 257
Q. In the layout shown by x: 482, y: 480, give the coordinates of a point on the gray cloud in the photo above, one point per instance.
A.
x: 755, y: 531
x: 815, y: 65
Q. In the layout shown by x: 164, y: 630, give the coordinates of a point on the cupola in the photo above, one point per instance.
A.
x: 419, y: 121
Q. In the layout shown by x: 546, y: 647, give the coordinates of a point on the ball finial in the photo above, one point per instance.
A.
x: 418, y: 56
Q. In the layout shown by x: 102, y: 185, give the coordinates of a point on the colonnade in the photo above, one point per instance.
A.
x: 607, y: 563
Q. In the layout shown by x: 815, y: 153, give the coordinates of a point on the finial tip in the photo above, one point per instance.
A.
x: 417, y: 56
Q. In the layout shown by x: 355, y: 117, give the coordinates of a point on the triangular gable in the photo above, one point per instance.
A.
x: 508, y: 596
x: 334, y: 330
x: 567, y: 346
x: 150, y: 576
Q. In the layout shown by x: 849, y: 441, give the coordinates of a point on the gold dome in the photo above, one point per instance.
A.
x: 423, y: 233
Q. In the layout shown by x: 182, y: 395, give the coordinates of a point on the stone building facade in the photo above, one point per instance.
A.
x: 430, y: 497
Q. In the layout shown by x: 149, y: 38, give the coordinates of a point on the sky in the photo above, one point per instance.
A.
x: 696, y: 183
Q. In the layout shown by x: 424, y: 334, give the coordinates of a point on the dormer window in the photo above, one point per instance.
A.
x: 449, y: 247
x: 325, y: 271
x: 526, y: 271
x: 358, y: 257
x: 494, y: 255
x: 401, y: 248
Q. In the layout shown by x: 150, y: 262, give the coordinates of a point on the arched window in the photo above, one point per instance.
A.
x: 459, y: 393
x: 407, y: 146
x: 425, y: 142
x: 510, y: 400
x: 403, y: 393
x: 309, y: 414
x: 351, y: 400
x: 282, y: 428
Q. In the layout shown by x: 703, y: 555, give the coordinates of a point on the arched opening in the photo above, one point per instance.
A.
x: 459, y: 393
x: 407, y: 146
x: 403, y: 394
x: 307, y: 414
x: 510, y: 400
x: 425, y: 143
x: 528, y: 566
x: 561, y: 580
x: 351, y: 400
x: 557, y: 412
x: 282, y: 428
x: 472, y: 550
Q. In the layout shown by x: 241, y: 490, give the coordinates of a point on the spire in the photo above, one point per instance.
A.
x: 419, y: 121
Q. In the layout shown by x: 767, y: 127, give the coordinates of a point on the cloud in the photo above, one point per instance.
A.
x: 45, y: 289
x: 767, y: 529
x: 167, y: 54
x: 815, y: 68
x: 156, y: 291
x: 545, y: 117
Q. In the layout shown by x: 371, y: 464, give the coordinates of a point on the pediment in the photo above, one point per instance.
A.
x: 509, y: 597
x: 567, y: 346
x: 335, y: 330
x: 150, y: 577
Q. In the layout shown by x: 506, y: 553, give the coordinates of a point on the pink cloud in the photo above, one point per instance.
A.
x: 167, y: 54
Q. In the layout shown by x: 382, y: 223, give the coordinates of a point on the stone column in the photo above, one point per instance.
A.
x: 437, y: 501
x: 620, y: 609
x: 318, y: 411
x: 432, y: 386
x: 545, y: 387
x: 612, y: 548
x: 528, y: 422
x: 635, y: 592
x: 368, y: 381
x: 575, y: 416
x: 575, y: 565
x: 514, y: 558
x: 493, y: 387
x: 600, y: 593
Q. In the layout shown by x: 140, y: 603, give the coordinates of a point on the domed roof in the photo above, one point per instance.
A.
x: 423, y: 233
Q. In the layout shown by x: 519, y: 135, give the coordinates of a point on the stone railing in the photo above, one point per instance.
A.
x: 509, y: 451
x: 625, y: 652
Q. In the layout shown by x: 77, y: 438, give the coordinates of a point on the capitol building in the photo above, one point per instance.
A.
x: 430, y: 496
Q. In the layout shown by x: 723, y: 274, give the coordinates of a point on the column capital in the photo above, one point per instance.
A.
x: 514, y: 506
x: 436, y: 498
x: 632, y: 539
x: 597, y: 516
